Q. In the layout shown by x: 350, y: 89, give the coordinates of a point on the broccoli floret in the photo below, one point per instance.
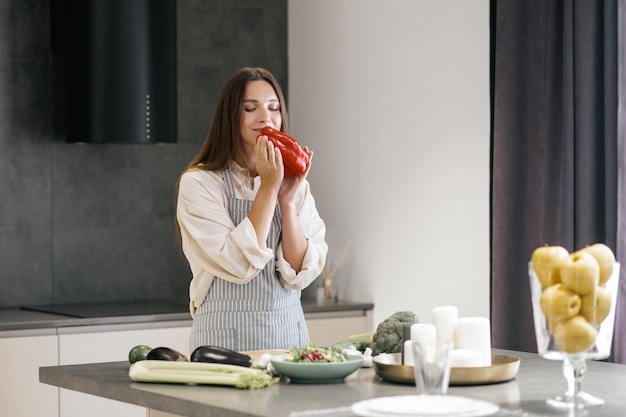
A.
x: 388, y: 335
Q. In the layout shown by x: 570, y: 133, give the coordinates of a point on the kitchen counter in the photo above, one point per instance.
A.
x: 42, y: 320
x: 537, y: 380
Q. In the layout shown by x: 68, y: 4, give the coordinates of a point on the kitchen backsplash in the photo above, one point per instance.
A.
x: 95, y: 223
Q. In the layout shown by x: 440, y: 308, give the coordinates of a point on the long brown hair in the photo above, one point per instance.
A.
x: 224, y: 142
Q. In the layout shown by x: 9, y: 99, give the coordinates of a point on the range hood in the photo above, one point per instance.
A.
x: 114, y: 69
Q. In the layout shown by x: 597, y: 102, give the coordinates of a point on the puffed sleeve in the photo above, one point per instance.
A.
x: 317, y: 248
x: 211, y: 241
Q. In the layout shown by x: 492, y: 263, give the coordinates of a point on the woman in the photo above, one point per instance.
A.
x: 253, y: 239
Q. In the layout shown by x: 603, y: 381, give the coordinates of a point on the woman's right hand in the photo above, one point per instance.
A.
x: 269, y: 166
x: 269, y: 163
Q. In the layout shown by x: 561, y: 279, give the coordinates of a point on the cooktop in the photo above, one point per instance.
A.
x: 127, y: 308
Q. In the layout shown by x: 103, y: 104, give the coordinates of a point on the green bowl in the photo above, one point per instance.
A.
x: 315, y: 372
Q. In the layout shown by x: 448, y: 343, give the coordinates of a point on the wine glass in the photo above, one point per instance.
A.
x: 574, y: 364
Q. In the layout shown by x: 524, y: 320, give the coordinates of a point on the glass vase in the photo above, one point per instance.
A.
x: 550, y: 331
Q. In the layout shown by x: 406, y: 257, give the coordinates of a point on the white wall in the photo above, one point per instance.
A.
x: 393, y: 97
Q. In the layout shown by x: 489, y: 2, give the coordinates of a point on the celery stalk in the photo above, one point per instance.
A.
x: 200, y: 373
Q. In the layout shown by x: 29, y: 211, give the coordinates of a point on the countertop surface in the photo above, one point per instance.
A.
x: 48, y: 318
x: 537, y: 380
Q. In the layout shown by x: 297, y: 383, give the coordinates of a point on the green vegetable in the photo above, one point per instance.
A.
x: 360, y: 342
x: 200, y: 373
x: 312, y: 353
x: 138, y: 353
x: 388, y: 335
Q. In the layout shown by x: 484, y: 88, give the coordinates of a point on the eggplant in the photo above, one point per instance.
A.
x: 165, y: 354
x: 216, y: 354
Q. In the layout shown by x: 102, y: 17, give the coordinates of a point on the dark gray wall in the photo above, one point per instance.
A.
x: 95, y: 223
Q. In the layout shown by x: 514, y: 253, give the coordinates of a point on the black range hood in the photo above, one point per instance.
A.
x: 114, y: 69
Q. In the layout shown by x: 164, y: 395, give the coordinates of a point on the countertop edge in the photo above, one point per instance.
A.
x: 16, y: 322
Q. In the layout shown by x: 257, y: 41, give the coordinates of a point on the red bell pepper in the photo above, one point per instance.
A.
x: 295, y: 159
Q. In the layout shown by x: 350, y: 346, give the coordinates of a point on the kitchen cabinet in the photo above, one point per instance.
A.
x: 23, y: 352
x: 328, y: 328
x: 21, y: 355
x: 89, y: 344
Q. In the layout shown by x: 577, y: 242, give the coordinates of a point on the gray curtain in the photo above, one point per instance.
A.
x: 557, y: 146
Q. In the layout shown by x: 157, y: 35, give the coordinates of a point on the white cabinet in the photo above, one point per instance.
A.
x: 21, y: 355
x: 90, y: 344
x: 328, y: 328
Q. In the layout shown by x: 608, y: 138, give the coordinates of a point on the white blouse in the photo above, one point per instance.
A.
x: 214, y: 246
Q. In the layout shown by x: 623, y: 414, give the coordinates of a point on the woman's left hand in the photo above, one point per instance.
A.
x: 290, y: 185
x: 294, y: 241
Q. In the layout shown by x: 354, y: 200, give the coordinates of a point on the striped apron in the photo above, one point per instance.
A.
x: 258, y: 315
